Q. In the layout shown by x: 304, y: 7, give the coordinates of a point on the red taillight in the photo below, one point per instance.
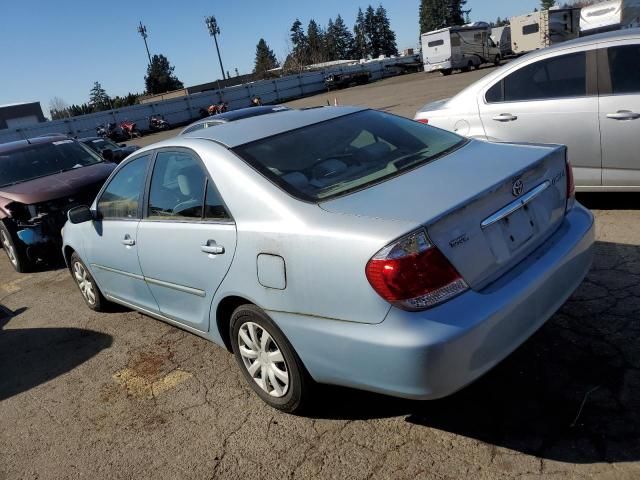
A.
x: 571, y: 186
x: 413, y: 274
x: 423, y: 120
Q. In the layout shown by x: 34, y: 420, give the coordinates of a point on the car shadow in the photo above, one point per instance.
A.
x: 571, y: 393
x: 32, y: 356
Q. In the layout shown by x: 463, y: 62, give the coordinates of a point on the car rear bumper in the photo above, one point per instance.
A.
x: 431, y: 354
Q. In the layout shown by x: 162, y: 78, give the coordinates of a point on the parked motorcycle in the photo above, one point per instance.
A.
x: 130, y: 129
x: 157, y: 123
x: 110, y: 130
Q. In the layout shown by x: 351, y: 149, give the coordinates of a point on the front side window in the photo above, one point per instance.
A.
x: 345, y: 154
x: 624, y: 65
x: 42, y: 160
x: 120, y: 199
x: 563, y: 76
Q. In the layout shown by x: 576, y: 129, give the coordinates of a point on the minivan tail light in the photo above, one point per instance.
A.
x: 571, y: 186
x: 413, y: 274
x: 423, y: 120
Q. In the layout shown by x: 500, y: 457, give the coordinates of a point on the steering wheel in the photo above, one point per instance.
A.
x: 186, y: 205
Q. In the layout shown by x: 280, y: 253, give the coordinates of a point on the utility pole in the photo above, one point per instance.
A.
x: 142, y: 30
x: 214, y: 31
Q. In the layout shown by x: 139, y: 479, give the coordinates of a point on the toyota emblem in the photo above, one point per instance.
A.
x: 517, y: 188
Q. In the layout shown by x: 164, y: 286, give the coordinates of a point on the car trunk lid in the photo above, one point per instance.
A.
x: 485, y: 206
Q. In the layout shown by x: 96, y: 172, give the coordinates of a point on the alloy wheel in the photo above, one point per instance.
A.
x: 84, y: 283
x: 263, y: 359
x: 8, y: 247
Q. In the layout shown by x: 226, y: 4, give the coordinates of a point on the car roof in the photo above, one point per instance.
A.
x: 246, y: 113
x: 233, y: 134
x: 20, y: 144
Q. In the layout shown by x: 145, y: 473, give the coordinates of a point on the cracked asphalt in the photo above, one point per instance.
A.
x: 123, y: 396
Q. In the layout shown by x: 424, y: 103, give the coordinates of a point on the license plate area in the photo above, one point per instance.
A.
x: 517, y: 228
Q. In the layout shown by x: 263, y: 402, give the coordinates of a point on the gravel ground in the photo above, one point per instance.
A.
x: 121, y: 395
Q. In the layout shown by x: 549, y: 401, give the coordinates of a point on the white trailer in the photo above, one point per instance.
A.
x: 609, y: 15
x: 501, y: 36
x: 464, y: 48
x: 541, y: 29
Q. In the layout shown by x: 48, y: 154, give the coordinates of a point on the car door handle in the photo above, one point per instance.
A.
x: 128, y: 241
x: 505, y: 117
x: 623, y: 115
x: 212, y: 248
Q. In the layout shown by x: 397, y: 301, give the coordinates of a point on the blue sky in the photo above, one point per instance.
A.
x: 59, y: 48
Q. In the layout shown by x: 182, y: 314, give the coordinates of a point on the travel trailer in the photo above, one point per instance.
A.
x: 610, y: 15
x: 501, y: 36
x: 464, y: 48
x: 541, y: 29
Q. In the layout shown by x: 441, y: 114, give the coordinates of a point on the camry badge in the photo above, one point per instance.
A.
x: 517, y: 188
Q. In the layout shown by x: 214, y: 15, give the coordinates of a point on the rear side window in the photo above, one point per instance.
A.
x: 530, y: 29
x: 436, y: 43
x: 120, y: 198
x: 558, y: 77
x: 178, y: 187
x: 624, y: 65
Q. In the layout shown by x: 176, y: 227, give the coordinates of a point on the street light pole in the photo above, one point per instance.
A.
x: 214, y: 31
x: 142, y: 30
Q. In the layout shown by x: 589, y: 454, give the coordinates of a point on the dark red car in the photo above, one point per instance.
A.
x: 40, y: 180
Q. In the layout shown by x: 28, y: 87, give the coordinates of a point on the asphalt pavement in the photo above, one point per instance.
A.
x: 123, y: 396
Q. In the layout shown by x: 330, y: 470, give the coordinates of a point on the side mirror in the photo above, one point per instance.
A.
x: 80, y: 214
x: 107, y: 154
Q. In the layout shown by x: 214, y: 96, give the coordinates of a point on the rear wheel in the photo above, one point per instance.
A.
x: 87, y: 285
x: 446, y: 72
x: 497, y: 60
x: 15, y: 254
x: 268, y: 361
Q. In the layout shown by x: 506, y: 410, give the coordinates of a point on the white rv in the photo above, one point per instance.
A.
x: 541, y: 29
x: 610, y: 15
x: 501, y: 36
x: 462, y: 48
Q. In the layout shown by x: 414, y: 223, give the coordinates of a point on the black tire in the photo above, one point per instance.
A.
x: 446, y: 72
x: 98, y: 303
x: 298, y: 391
x: 497, y: 60
x: 15, y: 252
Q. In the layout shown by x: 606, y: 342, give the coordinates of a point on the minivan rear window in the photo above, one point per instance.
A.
x: 346, y: 154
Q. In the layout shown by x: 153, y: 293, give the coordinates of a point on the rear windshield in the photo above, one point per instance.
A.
x: 43, y: 160
x: 344, y: 154
x: 100, y: 144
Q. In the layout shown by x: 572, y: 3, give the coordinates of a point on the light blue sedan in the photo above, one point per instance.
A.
x: 338, y: 245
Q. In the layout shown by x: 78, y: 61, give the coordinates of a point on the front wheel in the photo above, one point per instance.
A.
x: 87, y: 285
x: 497, y: 60
x: 15, y: 254
x: 446, y: 72
x: 268, y: 361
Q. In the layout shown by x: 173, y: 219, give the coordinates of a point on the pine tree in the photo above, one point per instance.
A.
x: 435, y: 14
x: 160, y: 77
x: 343, y: 40
x: 300, y: 55
x: 265, y: 59
x: 386, y: 38
x: 361, y: 43
x: 315, y: 39
x: 547, y: 4
x: 456, y: 14
x: 371, y: 31
x: 98, y: 98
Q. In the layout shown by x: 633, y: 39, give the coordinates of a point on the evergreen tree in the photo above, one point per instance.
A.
x: 330, y: 41
x: 265, y: 59
x: 371, y: 31
x: 160, y: 77
x: 361, y: 43
x: 547, y: 4
x: 98, y: 98
x: 386, y: 38
x: 315, y: 40
x: 342, y: 40
x: 456, y: 14
x: 435, y: 14
x: 300, y: 55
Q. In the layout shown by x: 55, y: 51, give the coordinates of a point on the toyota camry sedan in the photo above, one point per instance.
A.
x: 338, y: 245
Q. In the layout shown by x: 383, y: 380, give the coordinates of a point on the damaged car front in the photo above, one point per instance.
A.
x: 40, y: 181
